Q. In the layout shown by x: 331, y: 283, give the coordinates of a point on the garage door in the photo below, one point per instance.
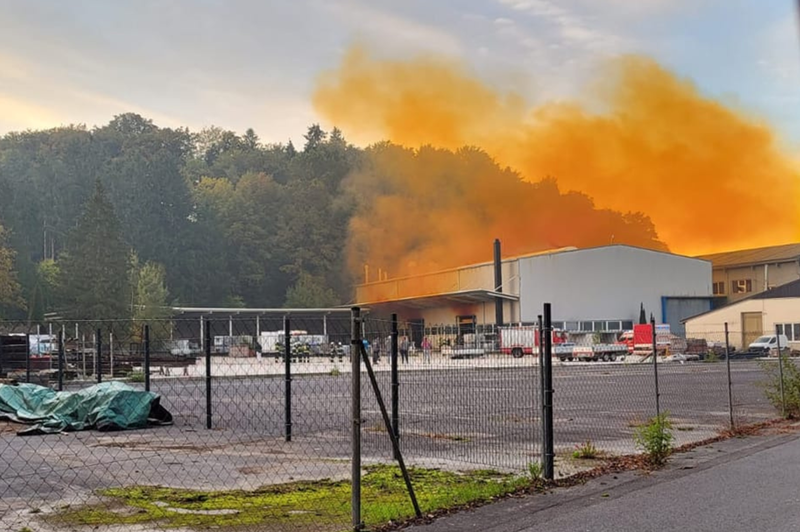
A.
x: 752, y: 327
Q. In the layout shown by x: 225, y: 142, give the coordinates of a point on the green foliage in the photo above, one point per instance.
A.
x: 585, y: 451
x: 231, y: 218
x: 711, y: 357
x: 10, y: 290
x: 310, y: 292
x: 655, y: 439
x: 791, y: 386
x: 535, y: 471
x: 136, y: 376
x: 94, y: 270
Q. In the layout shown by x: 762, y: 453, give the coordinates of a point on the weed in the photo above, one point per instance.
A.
x: 535, y: 471
x: 136, y: 376
x: 655, y: 439
x: 791, y: 386
x: 335, y: 372
x: 585, y: 451
x: 711, y: 356
x: 25, y: 529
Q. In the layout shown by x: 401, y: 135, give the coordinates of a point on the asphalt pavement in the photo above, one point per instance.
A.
x: 739, y: 485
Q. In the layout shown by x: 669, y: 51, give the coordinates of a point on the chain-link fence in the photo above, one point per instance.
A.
x: 248, y: 438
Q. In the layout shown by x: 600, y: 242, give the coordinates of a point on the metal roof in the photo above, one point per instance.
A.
x: 446, y: 298
x: 790, y: 289
x: 749, y: 257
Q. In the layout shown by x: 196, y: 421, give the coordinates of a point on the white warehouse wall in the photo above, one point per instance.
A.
x: 608, y: 282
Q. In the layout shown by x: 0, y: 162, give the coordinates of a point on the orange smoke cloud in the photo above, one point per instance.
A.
x: 710, y: 178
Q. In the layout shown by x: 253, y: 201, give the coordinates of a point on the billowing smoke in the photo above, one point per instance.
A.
x: 709, y: 177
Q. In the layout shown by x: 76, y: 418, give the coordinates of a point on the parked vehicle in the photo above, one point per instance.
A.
x: 524, y: 340
x: 639, y: 341
x: 604, y: 352
x: 769, y: 345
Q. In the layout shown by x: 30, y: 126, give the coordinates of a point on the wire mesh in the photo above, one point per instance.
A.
x: 70, y: 480
x: 463, y: 398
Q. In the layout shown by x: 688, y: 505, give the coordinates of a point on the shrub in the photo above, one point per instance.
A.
x: 655, y: 439
x: 791, y: 386
x: 136, y: 376
x: 711, y: 356
x: 585, y: 451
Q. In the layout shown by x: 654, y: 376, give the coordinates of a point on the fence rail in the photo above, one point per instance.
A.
x: 278, y: 404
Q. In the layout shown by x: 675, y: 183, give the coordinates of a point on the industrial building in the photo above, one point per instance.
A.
x: 739, y: 274
x: 596, y: 290
x: 760, y: 314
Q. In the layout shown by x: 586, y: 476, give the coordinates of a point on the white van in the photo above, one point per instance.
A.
x: 769, y: 344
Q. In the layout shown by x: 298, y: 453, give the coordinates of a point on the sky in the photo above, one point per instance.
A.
x: 253, y: 63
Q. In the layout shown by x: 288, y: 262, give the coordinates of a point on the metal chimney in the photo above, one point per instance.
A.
x: 498, y: 283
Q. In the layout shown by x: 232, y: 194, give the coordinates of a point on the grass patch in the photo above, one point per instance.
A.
x: 136, y: 376
x: 318, y: 505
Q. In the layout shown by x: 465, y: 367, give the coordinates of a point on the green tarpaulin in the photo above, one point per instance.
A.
x: 106, y: 406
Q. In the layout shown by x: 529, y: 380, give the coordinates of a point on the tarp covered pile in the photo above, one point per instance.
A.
x: 106, y: 406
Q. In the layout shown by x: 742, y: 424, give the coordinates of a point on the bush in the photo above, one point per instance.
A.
x: 585, y: 451
x: 791, y: 386
x: 136, y: 376
x: 655, y: 439
x: 711, y: 356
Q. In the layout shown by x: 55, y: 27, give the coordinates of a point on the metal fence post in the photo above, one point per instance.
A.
x: 395, y: 381
x: 355, y: 459
x: 61, y: 359
x: 780, y: 370
x: 730, y: 383
x: 655, y: 366
x: 98, y: 359
x: 541, y: 381
x: 27, y: 357
x: 1, y: 357
x: 287, y: 356
x: 146, y: 368
x: 549, y: 454
x: 206, y: 328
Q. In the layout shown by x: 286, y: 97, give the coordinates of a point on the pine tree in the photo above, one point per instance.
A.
x: 94, y: 269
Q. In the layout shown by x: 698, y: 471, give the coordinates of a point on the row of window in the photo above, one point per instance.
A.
x: 791, y: 330
x: 739, y: 286
x: 572, y: 326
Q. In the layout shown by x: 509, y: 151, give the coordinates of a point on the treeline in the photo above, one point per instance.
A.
x: 129, y: 218
x: 100, y: 222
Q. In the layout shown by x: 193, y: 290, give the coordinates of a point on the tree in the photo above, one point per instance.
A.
x: 151, y: 302
x: 642, y: 315
x: 315, y: 136
x: 250, y: 140
x: 10, y: 290
x: 309, y: 292
x: 94, y: 269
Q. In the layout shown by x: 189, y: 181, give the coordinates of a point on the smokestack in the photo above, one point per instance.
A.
x: 498, y: 283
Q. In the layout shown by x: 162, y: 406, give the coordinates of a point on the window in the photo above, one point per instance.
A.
x: 572, y: 326
x: 586, y: 326
x: 599, y: 326
x: 627, y: 325
x: 719, y: 288
x: 742, y: 286
x: 791, y: 330
x: 614, y: 325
